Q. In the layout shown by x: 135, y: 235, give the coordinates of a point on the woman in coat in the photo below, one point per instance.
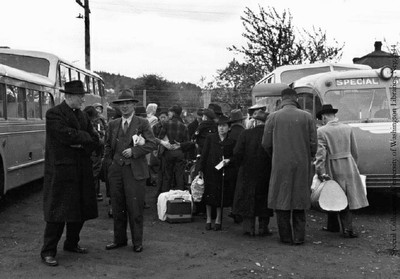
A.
x: 218, y: 148
x: 251, y: 195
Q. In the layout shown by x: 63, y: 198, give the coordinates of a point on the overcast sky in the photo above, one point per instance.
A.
x: 181, y: 40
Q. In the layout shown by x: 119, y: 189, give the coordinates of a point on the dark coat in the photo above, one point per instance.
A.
x: 235, y: 130
x: 251, y: 195
x: 205, y: 128
x: 138, y: 126
x: 69, y: 191
x: 211, y: 155
x: 290, y: 136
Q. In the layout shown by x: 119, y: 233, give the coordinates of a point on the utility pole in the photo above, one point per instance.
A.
x: 87, y: 32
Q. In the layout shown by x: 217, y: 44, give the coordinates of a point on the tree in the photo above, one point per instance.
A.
x: 272, y: 41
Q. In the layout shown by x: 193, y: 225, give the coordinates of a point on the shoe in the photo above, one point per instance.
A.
x: 208, y: 226
x: 114, y: 245
x: 249, y: 233
x: 298, y: 242
x: 99, y: 197
x: 325, y: 229
x: 217, y: 227
x: 349, y: 234
x: 76, y: 249
x: 49, y: 260
x: 266, y: 232
x: 137, y: 248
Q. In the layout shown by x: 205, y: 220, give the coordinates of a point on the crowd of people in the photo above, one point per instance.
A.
x: 255, y: 165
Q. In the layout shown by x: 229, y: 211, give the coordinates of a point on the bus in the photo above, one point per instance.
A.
x: 289, y: 73
x: 30, y: 84
x: 369, y: 101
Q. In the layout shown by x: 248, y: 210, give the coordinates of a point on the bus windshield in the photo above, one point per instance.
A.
x: 359, y: 104
x: 29, y: 64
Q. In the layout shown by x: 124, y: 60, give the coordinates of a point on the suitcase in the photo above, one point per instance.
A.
x: 179, y: 211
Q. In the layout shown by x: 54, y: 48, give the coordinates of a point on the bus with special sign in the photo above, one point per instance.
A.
x: 369, y: 101
x: 30, y: 84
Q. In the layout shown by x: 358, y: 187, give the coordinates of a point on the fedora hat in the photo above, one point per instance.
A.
x: 209, y: 113
x: 96, y: 105
x: 74, y: 87
x: 216, y: 108
x: 125, y: 96
x: 256, y: 107
x: 223, y: 120
x: 236, y: 115
x: 326, y: 109
x: 261, y: 115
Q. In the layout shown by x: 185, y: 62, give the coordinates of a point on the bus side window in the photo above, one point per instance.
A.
x: 96, y: 87
x: 74, y: 75
x: 305, y: 101
x: 15, y: 102
x: 47, y: 102
x: 89, y: 82
x: 2, y: 94
x: 64, y: 75
x: 32, y: 104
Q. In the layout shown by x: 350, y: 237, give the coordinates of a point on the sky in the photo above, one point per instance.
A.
x: 182, y: 40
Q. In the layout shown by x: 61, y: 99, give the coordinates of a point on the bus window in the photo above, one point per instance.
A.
x: 359, y: 104
x: 47, y: 102
x: 2, y: 94
x: 64, y: 75
x: 291, y: 75
x: 305, y: 101
x: 74, y: 75
x: 89, y: 82
x: 15, y: 102
x: 96, y: 87
x: 32, y: 104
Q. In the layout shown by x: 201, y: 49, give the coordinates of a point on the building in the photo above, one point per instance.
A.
x: 379, y: 58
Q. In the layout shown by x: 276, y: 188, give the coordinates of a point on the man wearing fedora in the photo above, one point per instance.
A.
x: 337, y: 159
x: 291, y: 140
x: 69, y: 196
x: 237, y: 126
x: 129, y: 139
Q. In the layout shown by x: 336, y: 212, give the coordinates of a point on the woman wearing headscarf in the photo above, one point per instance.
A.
x: 218, y: 148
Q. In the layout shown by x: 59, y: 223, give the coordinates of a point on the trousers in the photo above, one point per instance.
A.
x: 291, y: 225
x: 53, y: 233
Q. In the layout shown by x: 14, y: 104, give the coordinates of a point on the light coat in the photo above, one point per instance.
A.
x: 337, y: 157
x: 290, y: 136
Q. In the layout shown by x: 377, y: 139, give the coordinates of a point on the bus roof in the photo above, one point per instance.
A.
x: 325, y: 78
x: 6, y: 71
x: 313, y: 68
x: 52, y: 58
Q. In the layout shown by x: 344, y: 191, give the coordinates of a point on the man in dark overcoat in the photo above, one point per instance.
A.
x: 128, y: 140
x: 251, y: 195
x: 290, y: 137
x: 69, y: 190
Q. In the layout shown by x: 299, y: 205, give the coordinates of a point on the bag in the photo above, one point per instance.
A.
x: 197, y: 188
x: 179, y: 210
x: 171, y: 195
x: 328, y: 196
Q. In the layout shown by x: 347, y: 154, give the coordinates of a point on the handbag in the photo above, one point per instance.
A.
x: 197, y: 188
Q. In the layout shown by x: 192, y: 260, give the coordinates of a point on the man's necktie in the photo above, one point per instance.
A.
x: 125, y: 126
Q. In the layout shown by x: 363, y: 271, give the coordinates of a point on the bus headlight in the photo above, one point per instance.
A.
x: 386, y: 72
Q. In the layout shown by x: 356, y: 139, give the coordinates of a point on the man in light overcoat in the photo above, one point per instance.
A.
x: 291, y: 140
x: 337, y: 159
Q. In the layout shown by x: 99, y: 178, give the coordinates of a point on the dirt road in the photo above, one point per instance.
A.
x: 188, y: 251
